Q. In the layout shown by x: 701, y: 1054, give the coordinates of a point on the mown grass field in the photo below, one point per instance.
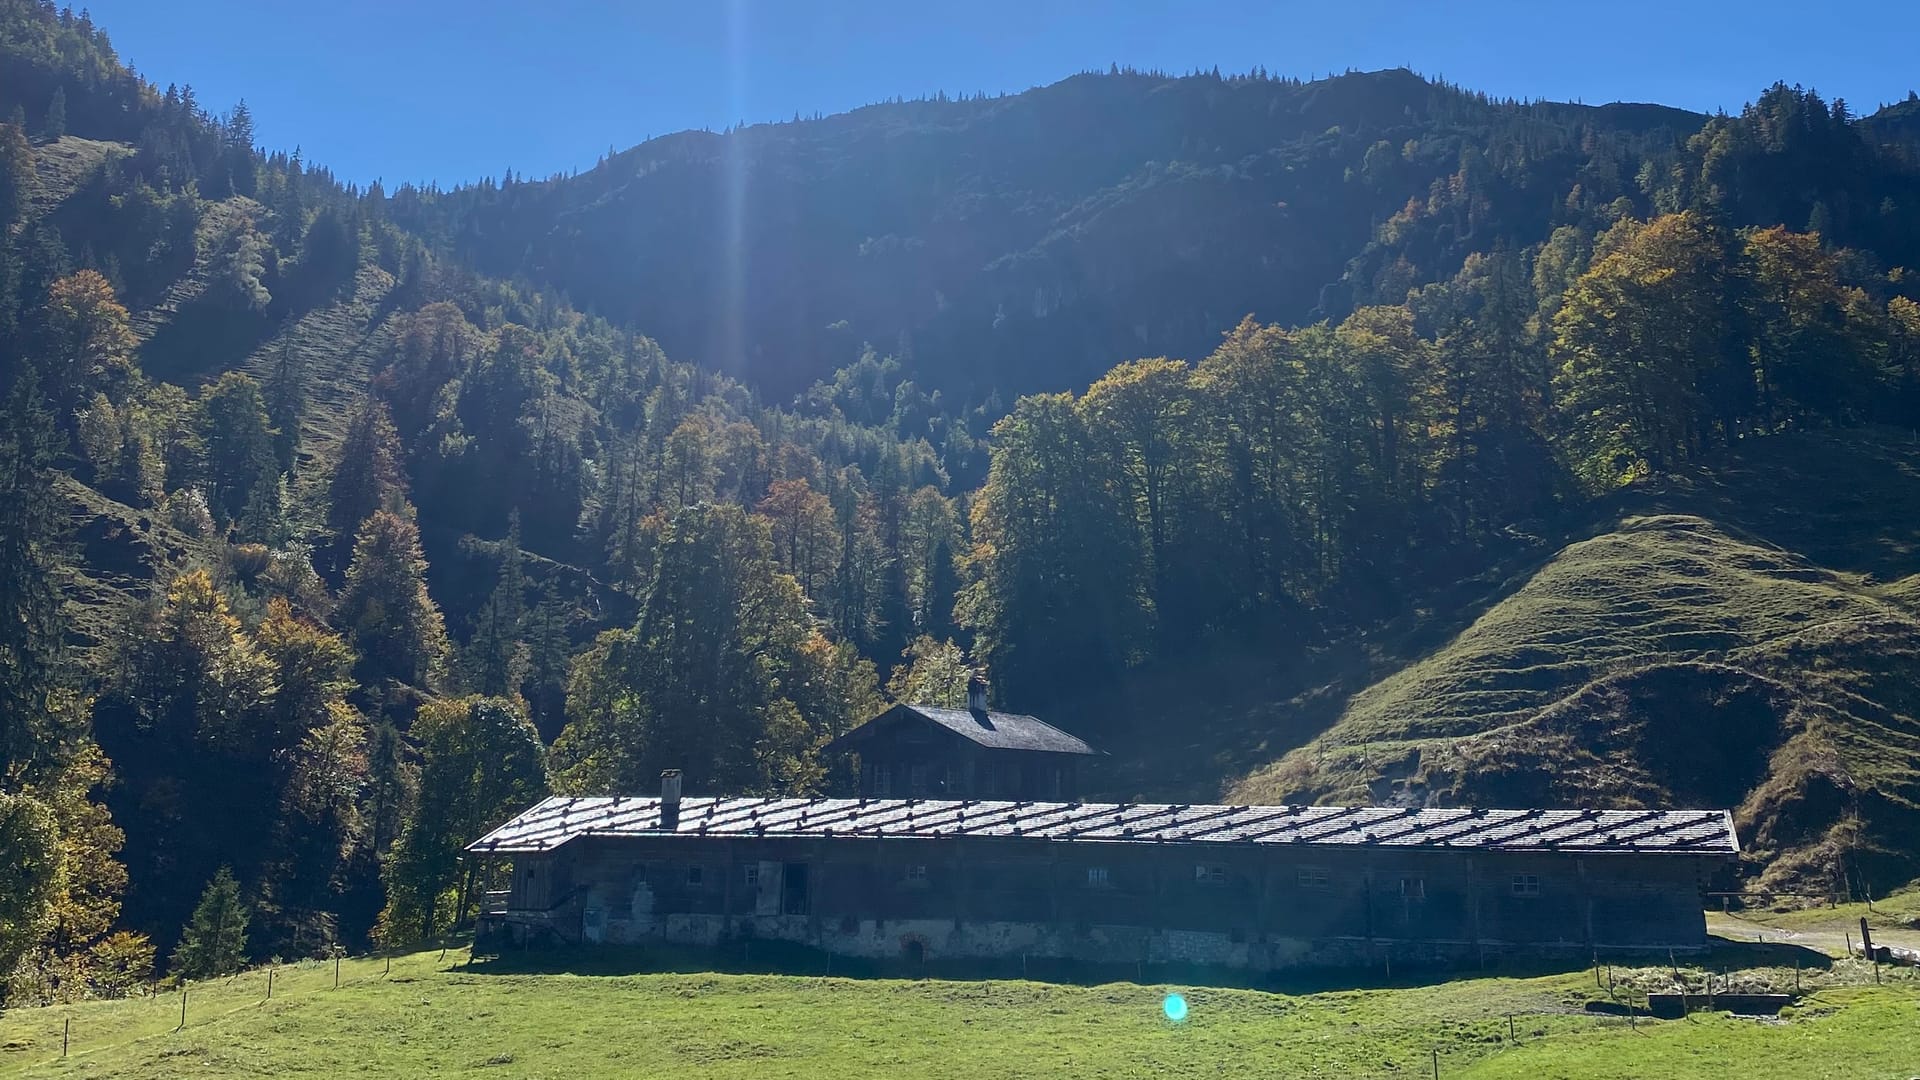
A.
x: 430, y: 1016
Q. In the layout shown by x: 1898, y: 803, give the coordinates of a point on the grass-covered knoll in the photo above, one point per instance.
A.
x: 1689, y: 651
x: 62, y: 165
x: 426, y: 1017
x: 122, y: 551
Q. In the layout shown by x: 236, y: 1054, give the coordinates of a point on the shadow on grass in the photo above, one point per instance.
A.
x: 1732, y: 954
x: 205, y: 337
x: 764, y: 957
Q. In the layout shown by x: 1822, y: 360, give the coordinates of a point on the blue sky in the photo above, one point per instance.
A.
x: 453, y: 90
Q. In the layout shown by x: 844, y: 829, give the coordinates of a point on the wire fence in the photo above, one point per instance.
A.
x: 158, y: 1010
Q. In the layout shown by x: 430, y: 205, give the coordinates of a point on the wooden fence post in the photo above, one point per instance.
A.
x: 336, y: 971
x: 66, y: 1035
x: 183, y: 1008
x: 1866, y: 945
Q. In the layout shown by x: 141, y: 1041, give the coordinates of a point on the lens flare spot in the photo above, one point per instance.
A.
x: 1175, y: 1006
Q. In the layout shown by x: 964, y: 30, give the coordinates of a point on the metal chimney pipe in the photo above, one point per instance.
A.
x: 670, y: 800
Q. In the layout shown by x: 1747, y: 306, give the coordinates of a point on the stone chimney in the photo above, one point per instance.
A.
x: 670, y: 800
x: 977, y: 693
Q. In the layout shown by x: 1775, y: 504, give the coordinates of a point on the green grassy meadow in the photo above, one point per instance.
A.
x: 431, y: 1016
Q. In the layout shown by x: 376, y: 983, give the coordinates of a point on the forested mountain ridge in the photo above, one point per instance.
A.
x: 357, y: 549
x: 996, y: 256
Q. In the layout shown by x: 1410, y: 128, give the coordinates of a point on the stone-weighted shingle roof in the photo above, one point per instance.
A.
x: 558, y: 820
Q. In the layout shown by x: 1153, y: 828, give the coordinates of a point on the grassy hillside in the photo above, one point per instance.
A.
x: 1743, y: 635
x: 122, y: 552
x: 62, y: 165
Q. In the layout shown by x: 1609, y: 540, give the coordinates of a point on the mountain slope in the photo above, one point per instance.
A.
x: 1759, y: 652
x: 1025, y: 242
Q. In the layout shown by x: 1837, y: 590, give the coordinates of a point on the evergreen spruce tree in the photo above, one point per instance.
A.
x: 264, y: 519
x: 286, y: 399
x: 395, y: 626
x: 391, y: 780
x: 231, y: 420
x: 369, y: 475
x: 494, y: 659
x: 215, y: 942
x: 32, y: 526
x: 18, y: 181
x: 56, y: 124
x: 549, y: 658
x: 239, y: 150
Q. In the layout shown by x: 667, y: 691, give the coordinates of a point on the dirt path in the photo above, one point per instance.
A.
x: 1831, y: 940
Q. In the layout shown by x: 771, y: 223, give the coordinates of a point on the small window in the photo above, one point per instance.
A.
x: 1097, y: 877
x: 1526, y: 884
x: 1413, y: 888
x: 696, y: 875
x: 1315, y: 877
x: 751, y: 874
x: 1210, y: 874
x: 917, y: 874
x: 883, y: 780
x: 917, y: 780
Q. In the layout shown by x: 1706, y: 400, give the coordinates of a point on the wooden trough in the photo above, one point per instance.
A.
x: 1677, y: 1006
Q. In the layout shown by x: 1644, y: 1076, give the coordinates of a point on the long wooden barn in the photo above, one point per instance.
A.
x: 1254, y: 887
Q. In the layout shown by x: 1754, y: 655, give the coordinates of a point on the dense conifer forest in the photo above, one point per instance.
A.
x: 337, y: 524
